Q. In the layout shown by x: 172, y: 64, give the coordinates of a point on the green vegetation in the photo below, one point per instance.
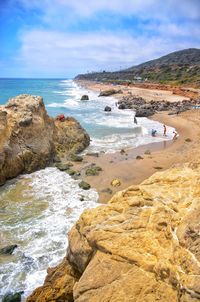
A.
x: 178, y: 68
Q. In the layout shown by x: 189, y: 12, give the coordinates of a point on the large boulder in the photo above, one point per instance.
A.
x: 109, y: 92
x: 107, y: 108
x: 30, y: 139
x: 85, y: 97
x: 142, y: 246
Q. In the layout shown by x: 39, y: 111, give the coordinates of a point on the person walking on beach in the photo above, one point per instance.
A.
x: 175, y: 135
x: 164, y: 130
x: 153, y: 132
x: 135, y: 120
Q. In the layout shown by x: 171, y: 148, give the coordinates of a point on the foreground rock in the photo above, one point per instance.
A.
x: 142, y: 246
x: 30, y: 139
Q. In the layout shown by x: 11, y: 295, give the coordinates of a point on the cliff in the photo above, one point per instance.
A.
x: 144, y: 245
x: 31, y: 140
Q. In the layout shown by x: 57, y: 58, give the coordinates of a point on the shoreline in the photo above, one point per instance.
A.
x: 131, y: 171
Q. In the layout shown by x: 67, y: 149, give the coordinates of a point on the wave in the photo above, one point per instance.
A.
x: 48, y: 204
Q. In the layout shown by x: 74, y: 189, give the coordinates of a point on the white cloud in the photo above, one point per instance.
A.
x: 161, y: 27
x: 61, y: 54
x: 189, y: 9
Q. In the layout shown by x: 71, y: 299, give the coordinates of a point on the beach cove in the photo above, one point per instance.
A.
x: 155, y: 156
x: 116, y: 165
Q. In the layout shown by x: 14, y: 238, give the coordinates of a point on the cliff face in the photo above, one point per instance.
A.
x: 144, y: 245
x: 30, y: 139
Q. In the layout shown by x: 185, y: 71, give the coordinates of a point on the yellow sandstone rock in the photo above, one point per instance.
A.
x: 143, y: 246
x: 115, y: 182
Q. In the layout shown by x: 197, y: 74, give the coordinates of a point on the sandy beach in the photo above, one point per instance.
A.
x: 129, y: 170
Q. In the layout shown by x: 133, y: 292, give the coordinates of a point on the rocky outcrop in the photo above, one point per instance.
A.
x: 30, y: 139
x: 145, y: 108
x: 144, y: 245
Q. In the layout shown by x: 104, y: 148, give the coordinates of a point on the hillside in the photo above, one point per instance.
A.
x: 180, y: 67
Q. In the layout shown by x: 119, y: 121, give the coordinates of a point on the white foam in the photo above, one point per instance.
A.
x: 40, y: 234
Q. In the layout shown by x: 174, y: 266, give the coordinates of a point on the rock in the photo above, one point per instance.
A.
x: 31, y: 140
x: 107, y: 190
x: 144, y: 112
x: 85, y: 97
x: 84, y: 185
x: 109, y: 92
x: 122, y: 106
x: 75, y: 157
x: 116, y: 182
x: 107, y: 108
x: 62, y: 277
x: 26, y: 121
x: 122, y: 151
x: 70, y: 137
x: 188, y: 140
x: 147, y: 152
x: 142, y: 246
x: 12, y: 297
x: 93, y: 154
x: 93, y: 171
x: 71, y: 172
x: 63, y: 166
x: 139, y: 157
x: 8, y: 250
x: 158, y: 168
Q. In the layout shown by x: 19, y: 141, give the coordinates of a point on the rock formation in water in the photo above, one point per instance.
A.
x: 30, y: 139
x: 144, y: 245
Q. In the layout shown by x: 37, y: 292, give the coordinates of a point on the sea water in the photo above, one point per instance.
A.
x: 37, y: 210
x: 109, y: 131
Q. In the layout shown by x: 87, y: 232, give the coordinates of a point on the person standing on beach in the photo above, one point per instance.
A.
x: 135, y: 120
x: 164, y: 130
x: 175, y: 135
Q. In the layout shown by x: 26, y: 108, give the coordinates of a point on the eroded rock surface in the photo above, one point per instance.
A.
x: 30, y: 139
x: 143, y: 246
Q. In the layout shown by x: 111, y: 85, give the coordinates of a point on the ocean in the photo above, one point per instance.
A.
x: 109, y: 131
x: 37, y: 210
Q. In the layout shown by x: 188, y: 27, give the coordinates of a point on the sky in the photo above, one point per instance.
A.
x: 62, y: 38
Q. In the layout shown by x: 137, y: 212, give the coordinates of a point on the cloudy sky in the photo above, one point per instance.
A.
x: 60, y: 38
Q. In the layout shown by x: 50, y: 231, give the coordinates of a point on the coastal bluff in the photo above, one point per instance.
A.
x: 31, y: 140
x: 144, y: 245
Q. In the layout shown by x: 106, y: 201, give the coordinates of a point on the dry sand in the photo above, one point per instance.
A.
x: 130, y: 170
x: 147, y: 94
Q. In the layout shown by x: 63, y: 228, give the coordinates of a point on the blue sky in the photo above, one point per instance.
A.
x: 61, y: 38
